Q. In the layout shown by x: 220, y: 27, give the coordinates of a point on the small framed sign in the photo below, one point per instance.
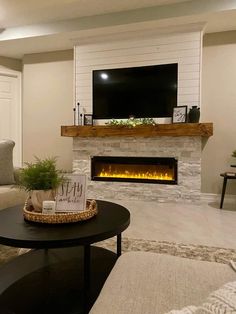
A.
x: 88, y: 119
x: 179, y: 114
x: 71, y: 195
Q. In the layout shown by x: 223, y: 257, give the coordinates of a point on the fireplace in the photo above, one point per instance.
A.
x: 159, y: 170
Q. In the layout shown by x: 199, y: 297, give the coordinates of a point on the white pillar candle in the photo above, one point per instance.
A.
x: 49, y: 207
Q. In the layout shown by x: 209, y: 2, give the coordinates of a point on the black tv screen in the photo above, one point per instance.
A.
x: 142, y: 92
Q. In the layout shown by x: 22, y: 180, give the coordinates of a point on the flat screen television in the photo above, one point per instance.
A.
x: 142, y: 92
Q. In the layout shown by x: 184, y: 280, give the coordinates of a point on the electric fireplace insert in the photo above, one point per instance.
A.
x: 159, y: 170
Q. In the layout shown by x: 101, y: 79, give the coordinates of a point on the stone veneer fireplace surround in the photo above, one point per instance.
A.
x: 186, y: 149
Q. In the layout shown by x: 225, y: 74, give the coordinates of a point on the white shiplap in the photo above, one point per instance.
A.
x: 141, y: 42
x: 181, y: 48
x: 114, y: 53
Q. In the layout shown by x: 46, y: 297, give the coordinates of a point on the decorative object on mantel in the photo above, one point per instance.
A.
x: 132, y: 122
x: 40, y: 179
x: 194, y: 114
x: 88, y: 119
x: 74, y: 116
x: 179, y: 114
x: 79, y: 121
x: 234, y: 153
x: 60, y: 218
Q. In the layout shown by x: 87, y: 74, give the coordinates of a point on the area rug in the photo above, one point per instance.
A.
x: 198, y: 252
x: 7, y: 253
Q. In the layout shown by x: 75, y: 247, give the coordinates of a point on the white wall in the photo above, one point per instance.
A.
x: 182, y: 48
x: 47, y: 104
x: 219, y: 106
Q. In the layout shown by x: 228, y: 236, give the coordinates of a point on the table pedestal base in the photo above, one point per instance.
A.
x: 51, y: 281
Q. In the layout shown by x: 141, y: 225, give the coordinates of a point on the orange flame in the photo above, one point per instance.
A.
x: 144, y: 175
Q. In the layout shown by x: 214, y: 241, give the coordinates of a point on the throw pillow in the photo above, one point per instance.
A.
x: 220, y: 301
x: 6, y: 162
x: 186, y: 310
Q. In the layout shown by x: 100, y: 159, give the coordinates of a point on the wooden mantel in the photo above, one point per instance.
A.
x: 176, y: 129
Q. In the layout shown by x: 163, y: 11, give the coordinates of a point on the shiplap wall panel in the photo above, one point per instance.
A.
x: 142, y: 42
x: 182, y: 48
x: 138, y: 57
x: 140, y: 50
x: 188, y: 90
x: 188, y: 83
x: 134, y: 60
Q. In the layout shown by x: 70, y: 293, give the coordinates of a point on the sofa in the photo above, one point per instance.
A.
x: 9, y: 195
x: 151, y: 283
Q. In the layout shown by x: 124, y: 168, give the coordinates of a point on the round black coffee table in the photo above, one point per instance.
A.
x: 64, y: 254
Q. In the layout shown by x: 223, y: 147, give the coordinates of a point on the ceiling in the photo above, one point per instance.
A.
x: 25, y: 12
x: 32, y: 26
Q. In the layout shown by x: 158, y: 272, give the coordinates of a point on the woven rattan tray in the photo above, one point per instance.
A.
x: 60, y: 218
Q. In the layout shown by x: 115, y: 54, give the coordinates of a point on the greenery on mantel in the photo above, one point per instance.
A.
x: 234, y: 153
x: 132, y: 122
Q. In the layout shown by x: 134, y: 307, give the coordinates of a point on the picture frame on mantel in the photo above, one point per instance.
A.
x: 88, y: 119
x: 179, y: 114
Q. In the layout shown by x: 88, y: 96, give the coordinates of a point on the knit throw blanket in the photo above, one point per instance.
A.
x: 221, y: 301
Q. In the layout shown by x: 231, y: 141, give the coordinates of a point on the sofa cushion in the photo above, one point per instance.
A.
x: 10, y: 196
x: 145, y: 282
x: 6, y: 162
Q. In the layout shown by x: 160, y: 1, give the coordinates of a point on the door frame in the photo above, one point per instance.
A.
x: 18, y: 76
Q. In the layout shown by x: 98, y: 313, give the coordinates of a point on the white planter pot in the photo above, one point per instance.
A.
x: 38, y: 196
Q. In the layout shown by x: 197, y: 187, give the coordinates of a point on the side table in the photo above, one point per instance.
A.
x: 226, y: 176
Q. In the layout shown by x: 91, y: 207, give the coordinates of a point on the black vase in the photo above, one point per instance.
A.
x: 194, y: 114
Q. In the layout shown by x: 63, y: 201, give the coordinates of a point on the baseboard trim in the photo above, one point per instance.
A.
x: 210, y: 197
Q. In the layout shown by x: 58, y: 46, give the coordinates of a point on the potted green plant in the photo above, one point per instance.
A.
x: 40, y: 179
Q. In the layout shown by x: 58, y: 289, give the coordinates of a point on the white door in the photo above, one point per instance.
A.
x: 10, y: 112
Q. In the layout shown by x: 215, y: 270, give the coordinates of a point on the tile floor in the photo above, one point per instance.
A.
x: 184, y: 223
